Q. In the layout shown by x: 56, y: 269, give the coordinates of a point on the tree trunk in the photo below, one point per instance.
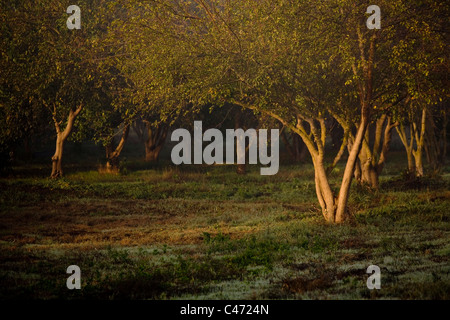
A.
x: 324, y: 192
x: 57, y: 158
x: 156, y: 137
x: 112, y: 163
x: 420, y: 140
x: 61, y: 137
x: 334, y: 209
x: 370, y: 176
x: 365, y: 96
x: 112, y: 155
x: 411, y: 163
x: 417, y: 135
x: 418, y: 161
x: 371, y: 160
x: 152, y: 153
x: 358, y: 172
x: 408, y: 148
x: 341, y: 211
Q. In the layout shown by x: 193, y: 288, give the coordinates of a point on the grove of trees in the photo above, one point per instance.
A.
x: 336, y: 88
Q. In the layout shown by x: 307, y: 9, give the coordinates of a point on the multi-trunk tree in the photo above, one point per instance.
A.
x: 421, y: 60
x: 293, y: 70
x: 302, y: 63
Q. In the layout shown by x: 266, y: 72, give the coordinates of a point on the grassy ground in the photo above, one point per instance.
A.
x: 208, y: 233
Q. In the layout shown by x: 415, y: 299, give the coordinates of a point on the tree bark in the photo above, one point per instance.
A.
x: 372, y: 159
x: 420, y: 140
x: 418, y: 161
x: 61, y: 137
x: 324, y: 192
x: 341, y: 211
x: 408, y: 148
x: 365, y: 96
x: 417, y: 137
x: 57, y: 158
x: 156, y: 137
x: 112, y: 155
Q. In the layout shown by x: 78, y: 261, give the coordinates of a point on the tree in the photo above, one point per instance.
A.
x: 422, y: 62
x: 372, y: 158
x: 153, y: 136
x: 154, y: 68
x: 281, y: 67
x: 21, y: 114
x: 301, y: 63
x: 57, y: 66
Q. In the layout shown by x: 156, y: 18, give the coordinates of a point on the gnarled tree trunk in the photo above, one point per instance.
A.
x: 61, y: 137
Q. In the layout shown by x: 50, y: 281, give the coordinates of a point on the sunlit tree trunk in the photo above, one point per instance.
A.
x: 417, y: 138
x: 324, y: 193
x: 420, y: 140
x: 315, y: 142
x: 112, y: 154
x: 341, y: 211
x: 408, y: 148
x: 61, y: 137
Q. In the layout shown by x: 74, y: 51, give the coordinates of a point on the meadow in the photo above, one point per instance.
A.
x: 205, y: 232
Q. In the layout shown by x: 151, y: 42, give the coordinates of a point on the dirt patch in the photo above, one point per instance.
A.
x: 302, y: 284
x: 123, y: 222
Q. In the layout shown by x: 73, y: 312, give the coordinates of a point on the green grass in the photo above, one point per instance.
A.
x: 208, y: 233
